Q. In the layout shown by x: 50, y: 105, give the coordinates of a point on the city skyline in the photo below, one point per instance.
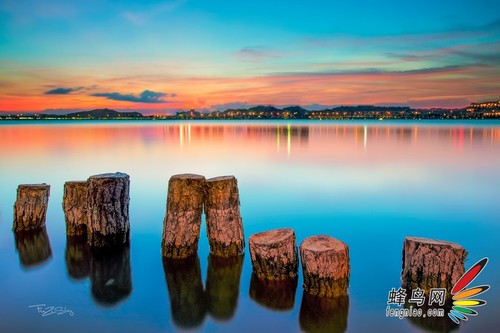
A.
x: 161, y: 56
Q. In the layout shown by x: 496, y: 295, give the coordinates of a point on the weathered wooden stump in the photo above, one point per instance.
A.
x: 429, y: 263
x: 185, y: 289
x: 107, y: 210
x: 77, y: 257
x: 325, y: 264
x: 323, y: 314
x: 33, y: 247
x: 110, y: 275
x: 222, y: 210
x: 30, y: 208
x: 75, y: 208
x: 223, y: 285
x: 273, y: 294
x: 181, y: 226
x: 274, y: 254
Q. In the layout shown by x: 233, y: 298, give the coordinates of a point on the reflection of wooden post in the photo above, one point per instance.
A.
x: 323, y: 314
x: 325, y: 264
x: 75, y: 208
x: 273, y: 294
x: 224, y: 225
x: 223, y: 285
x: 77, y: 257
x: 110, y: 275
x: 30, y: 208
x: 107, y: 213
x: 185, y: 289
x: 181, y: 226
x: 274, y: 254
x: 33, y: 247
x: 429, y: 263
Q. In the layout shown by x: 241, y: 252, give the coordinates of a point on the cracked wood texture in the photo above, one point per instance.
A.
x: 325, y: 265
x: 429, y: 263
x: 108, y: 210
x: 75, y: 208
x: 30, y: 208
x: 222, y: 210
x: 181, y: 226
x: 274, y: 254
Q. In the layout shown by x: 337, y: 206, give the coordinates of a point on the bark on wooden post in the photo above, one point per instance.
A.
x: 75, y: 208
x: 429, y: 263
x: 33, y: 247
x: 224, y: 224
x: 181, y: 226
x: 30, y: 208
x: 325, y: 264
x: 274, y: 254
x: 108, y: 209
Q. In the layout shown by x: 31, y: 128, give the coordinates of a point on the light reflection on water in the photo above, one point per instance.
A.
x: 369, y: 184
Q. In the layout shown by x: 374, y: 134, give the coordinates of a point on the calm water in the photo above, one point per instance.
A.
x: 369, y: 184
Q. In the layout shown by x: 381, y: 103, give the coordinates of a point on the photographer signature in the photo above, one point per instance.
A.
x: 45, y: 310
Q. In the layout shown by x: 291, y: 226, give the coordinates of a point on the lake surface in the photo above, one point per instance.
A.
x: 369, y: 184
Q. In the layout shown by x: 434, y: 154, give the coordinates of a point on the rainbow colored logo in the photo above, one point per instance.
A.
x: 462, y: 302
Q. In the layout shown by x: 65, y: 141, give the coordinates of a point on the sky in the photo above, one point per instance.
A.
x: 159, y: 56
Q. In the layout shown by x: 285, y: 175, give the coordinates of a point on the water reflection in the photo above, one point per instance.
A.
x: 33, y: 247
x: 77, y: 258
x: 433, y: 324
x: 322, y: 314
x: 274, y: 295
x: 223, y: 285
x: 185, y: 289
x: 110, y: 275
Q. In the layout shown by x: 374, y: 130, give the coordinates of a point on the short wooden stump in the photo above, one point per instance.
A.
x: 30, y: 208
x: 181, y: 226
x: 274, y: 254
x: 325, y: 264
x: 75, y: 208
x: 429, y: 263
x: 224, y: 224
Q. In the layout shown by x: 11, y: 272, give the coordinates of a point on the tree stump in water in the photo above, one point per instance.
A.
x: 274, y: 254
x: 429, y: 263
x: 222, y: 210
x: 181, y: 226
x: 33, y: 247
x: 30, y: 208
x: 325, y: 264
x: 107, y: 211
x: 75, y: 208
x: 273, y: 294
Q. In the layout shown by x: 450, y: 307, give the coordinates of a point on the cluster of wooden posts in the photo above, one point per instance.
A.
x: 98, y: 210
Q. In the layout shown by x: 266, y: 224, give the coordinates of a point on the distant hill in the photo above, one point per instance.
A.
x: 104, y: 114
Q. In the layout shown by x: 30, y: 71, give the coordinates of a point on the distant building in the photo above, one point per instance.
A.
x: 488, y: 109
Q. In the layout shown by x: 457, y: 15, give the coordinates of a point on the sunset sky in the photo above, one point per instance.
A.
x: 162, y: 56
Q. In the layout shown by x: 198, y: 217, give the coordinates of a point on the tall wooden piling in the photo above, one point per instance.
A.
x: 75, y: 208
x: 325, y: 265
x: 108, y: 209
x: 181, y: 226
x: 224, y: 224
x: 30, y: 208
x: 429, y: 263
x: 274, y: 254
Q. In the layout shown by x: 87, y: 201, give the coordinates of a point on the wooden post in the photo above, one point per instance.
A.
x: 325, y: 264
x: 30, y: 208
x: 33, y: 247
x: 77, y: 257
x: 224, y: 224
x: 429, y: 263
x: 185, y: 289
x: 223, y: 285
x: 107, y: 213
x: 75, y: 208
x: 181, y: 226
x: 274, y: 254
x: 323, y: 314
x: 110, y: 275
x: 273, y: 294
